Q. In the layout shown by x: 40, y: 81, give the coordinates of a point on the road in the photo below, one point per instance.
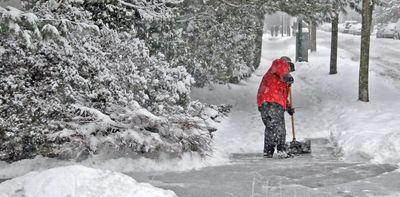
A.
x: 384, y: 53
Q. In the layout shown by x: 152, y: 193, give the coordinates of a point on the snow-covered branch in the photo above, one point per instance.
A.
x: 231, y: 4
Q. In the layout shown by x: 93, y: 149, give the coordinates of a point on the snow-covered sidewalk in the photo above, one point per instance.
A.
x: 327, y: 105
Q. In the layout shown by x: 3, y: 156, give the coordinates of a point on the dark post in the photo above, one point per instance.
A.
x: 298, y: 39
x: 301, y: 43
x: 282, y: 26
x: 334, y: 45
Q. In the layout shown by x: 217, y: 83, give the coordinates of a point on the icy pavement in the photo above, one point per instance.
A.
x: 317, y: 174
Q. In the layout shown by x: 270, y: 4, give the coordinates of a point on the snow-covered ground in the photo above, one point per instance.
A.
x: 327, y: 107
x: 363, y: 131
x: 75, y: 181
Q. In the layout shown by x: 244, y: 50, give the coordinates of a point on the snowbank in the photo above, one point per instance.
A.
x: 329, y: 106
x: 74, y: 181
x: 188, y: 161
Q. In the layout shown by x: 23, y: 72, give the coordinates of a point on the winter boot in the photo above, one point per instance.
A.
x: 269, y: 151
x: 282, y: 153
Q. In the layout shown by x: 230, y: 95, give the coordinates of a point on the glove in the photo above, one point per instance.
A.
x: 292, y: 67
x: 288, y: 79
x: 260, y: 108
x: 290, y: 111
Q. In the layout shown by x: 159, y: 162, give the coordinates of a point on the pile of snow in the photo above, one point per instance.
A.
x: 71, y: 181
x: 188, y: 161
x: 329, y: 106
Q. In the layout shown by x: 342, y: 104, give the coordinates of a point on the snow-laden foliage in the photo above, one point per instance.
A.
x: 356, y: 5
x: 389, y: 11
x: 331, y: 9
x: 124, y: 14
x: 214, y: 41
x: 131, y: 130
x: 68, y: 86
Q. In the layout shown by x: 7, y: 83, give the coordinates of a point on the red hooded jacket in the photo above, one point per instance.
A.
x: 273, y: 88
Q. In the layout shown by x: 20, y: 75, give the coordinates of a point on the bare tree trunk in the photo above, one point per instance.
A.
x: 282, y: 26
x: 334, y: 45
x: 313, y: 39
x: 367, y: 9
x: 309, y: 34
x: 258, y: 42
x: 299, y: 41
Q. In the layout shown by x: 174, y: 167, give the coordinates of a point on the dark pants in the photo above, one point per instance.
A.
x: 272, y: 115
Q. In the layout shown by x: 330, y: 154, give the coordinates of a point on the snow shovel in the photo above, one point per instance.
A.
x: 296, y: 147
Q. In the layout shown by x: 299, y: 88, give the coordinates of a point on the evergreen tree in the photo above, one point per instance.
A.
x: 69, y: 88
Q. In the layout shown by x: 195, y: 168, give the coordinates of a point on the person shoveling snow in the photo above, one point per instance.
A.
x: 272, y: 101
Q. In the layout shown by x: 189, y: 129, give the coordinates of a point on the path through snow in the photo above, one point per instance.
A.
x: 327, y: 111
x: 319, y: 174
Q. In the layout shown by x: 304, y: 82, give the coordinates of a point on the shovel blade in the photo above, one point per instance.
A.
x: 296, y: 147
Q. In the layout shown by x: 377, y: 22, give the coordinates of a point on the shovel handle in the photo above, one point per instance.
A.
x: 292, y: 116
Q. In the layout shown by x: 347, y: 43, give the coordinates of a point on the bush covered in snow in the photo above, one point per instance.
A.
x: 78, y: 77
x: 215, y: 41
x: 68, y: 86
